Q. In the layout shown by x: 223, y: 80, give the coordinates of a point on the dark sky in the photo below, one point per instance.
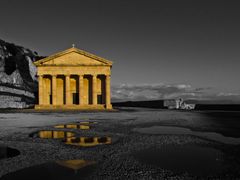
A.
x: 194, y: 42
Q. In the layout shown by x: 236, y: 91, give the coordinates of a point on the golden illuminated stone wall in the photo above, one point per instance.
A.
x: 74, y: 79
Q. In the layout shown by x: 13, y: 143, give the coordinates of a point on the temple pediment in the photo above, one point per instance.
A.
x: 73, y: 56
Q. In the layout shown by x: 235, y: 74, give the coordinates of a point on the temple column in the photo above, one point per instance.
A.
x: 81, y: 89
x: 40, y: 89
x: 68, y: 93
x: 108, y: 92
x: 54, y: 89
x: 94, y: 89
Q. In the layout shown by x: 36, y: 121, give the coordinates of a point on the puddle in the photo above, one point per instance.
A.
x: 7, y: 152
x: 52, y: 134
x: 185, y: 131
x: 72, y: 126
x: 61, y: 170
x: 196, y: 160
x: 88, y: 141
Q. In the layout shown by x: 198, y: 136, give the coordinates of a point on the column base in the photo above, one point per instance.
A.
x: 73, y: 106
x: 108, y: 106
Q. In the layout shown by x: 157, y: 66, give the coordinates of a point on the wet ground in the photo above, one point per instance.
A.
x: 171, y: 130
x: 71, y: 169
x: 132, y: 143
x: 197, y: 160
x: 7, y: 152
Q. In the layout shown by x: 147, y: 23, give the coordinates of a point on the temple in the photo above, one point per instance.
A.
x: 74, y: 79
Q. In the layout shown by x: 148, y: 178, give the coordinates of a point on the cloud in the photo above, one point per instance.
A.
x: 222, y: 94
x: 140, y: 92
x: 127, y: 92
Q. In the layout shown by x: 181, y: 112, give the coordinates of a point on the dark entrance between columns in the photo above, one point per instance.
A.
x: 101, y: 88
x: 75, y: 98
x: 50, y: 99
x: 74, y: 89
x: 99, y: 99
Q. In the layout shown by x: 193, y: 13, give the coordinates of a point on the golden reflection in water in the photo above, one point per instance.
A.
x: 72, y: 126
x: 55, y: 134
x: 87, y: 122
x: 75, y: 164
x: 88, y: 141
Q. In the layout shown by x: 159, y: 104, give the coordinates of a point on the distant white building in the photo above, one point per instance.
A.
x: 177, y: 104
x: 172, y: 103
x: 187, y: 106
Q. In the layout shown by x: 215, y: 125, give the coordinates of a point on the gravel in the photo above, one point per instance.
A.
x: 114, y: 161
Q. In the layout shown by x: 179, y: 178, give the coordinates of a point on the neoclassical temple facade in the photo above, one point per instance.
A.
x: 74, y: 79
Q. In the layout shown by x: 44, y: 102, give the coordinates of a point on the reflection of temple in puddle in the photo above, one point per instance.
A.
x: 75, y: 164
x: 87, y: 122
x: 54, y: 134
x: 60, y: 170
x: 72, y: 126
x: 88, y: 141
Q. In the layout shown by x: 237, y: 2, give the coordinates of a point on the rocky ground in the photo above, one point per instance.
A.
x: 115, y: 161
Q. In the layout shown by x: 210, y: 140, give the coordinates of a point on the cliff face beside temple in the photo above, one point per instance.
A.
x: 18, y: 82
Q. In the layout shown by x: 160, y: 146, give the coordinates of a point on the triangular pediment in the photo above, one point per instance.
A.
x: 73, y: 56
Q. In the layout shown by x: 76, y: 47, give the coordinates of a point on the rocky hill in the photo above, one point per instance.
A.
x: 18, y: 82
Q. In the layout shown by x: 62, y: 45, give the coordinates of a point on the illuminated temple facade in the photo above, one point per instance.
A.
x: 74, y: 79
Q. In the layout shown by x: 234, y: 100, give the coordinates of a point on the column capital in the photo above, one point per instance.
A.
x: 108, y: 76
x: 80, y: 77
x: 54, y: 75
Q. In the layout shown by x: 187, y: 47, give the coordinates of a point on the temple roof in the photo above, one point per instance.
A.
x: 73, y: 50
